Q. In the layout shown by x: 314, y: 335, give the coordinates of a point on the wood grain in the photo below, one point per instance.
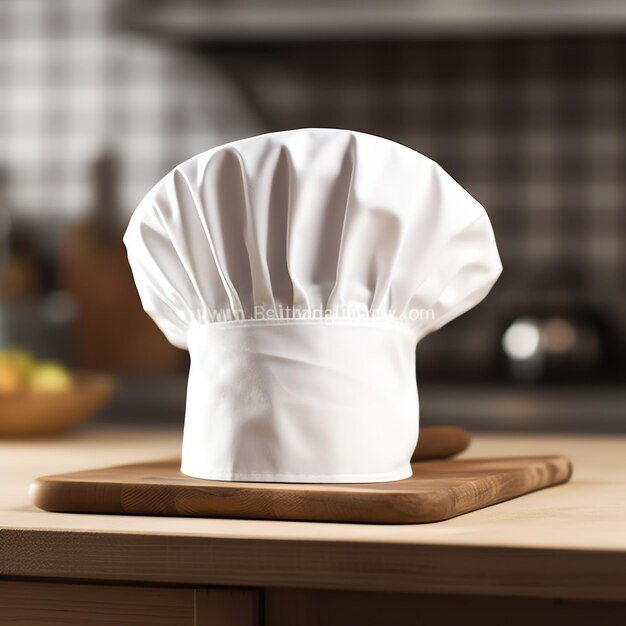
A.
x: 567, y: 542
x: 437, y: 490
x: 228, y: 607
x: 349, y: 564
x: 56, y: 604
x: 65, y: 604
x: 307, y: 607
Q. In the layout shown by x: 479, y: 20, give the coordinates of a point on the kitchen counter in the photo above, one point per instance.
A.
x: 566, y: 542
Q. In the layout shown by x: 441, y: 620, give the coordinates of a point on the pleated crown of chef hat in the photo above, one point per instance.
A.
x: 300, y: 269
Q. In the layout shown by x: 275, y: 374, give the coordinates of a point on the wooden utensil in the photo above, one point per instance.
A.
x: 437, y: 490
x: 440, y: 442
x: 112, y: 330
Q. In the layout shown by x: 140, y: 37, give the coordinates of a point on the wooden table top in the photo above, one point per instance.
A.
x: 566, y: 541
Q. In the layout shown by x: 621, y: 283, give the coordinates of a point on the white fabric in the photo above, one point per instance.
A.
x: 300, y: 269
x: 300, y: 401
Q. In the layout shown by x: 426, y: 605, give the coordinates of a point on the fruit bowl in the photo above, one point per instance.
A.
x: 34, y: 412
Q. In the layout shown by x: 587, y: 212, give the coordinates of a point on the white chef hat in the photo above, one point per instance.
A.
x: 300, y: 269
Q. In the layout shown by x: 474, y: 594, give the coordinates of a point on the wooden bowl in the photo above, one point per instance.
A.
x: 32, y: 413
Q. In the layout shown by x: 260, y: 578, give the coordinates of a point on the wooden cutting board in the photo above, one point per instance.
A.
x: 437, y: 490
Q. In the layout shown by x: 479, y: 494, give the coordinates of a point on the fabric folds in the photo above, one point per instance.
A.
x: 311, y: 261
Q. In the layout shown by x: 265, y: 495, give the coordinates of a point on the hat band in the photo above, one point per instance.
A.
x: 301, y: 401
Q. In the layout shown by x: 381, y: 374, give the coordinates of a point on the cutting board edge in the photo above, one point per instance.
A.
x: 50, y: 493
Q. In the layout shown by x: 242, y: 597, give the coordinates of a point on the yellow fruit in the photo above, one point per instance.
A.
x: 10, y: 380
x: 20, y: 360
x: 49, y: 376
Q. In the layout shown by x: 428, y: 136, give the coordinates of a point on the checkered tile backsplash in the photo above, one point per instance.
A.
x: 71, y: 85
x: 534, y: 128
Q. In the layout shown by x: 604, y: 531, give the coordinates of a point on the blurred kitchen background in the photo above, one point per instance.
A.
x: 524, y: 103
